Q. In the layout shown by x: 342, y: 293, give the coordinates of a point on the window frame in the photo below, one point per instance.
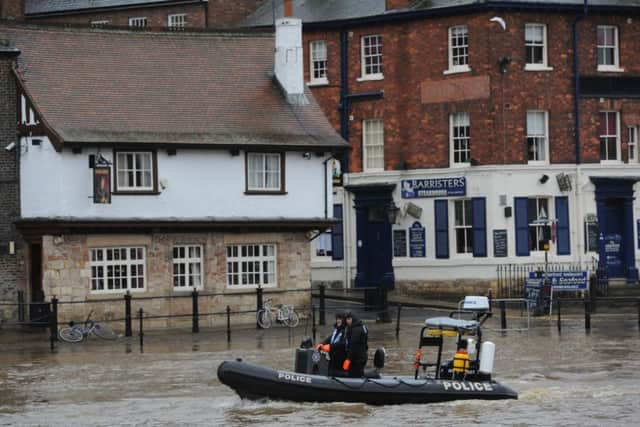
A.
x: 312, y: 62
x: 124, y: 191
x: 532, y: 66
x: 533, y: 250
x: 464, y: 68
x: 104, y: 263
x: 134, y: 19
x: 187, y: 260
x: 182, y: 25
x: 363, y: 67
x: 453, y: 139
x: 260, y: 259
x: 467, y: 227
x: 617, y: 136
x: 265, y: 191
x: 615, y: 67
x: 632, y: 141
x: 366, y: 147
x: 546, y: 137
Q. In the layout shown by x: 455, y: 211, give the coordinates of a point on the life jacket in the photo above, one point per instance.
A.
x: 461, y: 361
x: 336, y: 335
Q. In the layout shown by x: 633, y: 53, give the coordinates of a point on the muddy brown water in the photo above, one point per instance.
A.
x: 571, y: 379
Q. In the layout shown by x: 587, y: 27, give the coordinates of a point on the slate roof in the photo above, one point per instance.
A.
x: 317, y: 11
x: 108, y: 86
x: 35, y: 7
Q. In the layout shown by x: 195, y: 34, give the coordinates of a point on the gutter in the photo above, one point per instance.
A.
x: 576, y: 80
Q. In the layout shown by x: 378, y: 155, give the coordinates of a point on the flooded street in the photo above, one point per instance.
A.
x: 568, y: 379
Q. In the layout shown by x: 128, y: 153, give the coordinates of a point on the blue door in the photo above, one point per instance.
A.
x: 612, y: 233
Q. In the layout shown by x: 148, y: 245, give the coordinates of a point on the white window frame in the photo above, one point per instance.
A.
x: 187, y: 261
x: 379, y: 75
x: 322, y: 247
x: 545, y: 137
x: 99, y: 269
x: 530, y: 66
x: 539, y: 226
x: 137, y: 20
x: 99, y: 23
x: 235, y: 258
x: 615, y: 67
x: 264, y: 172
x: 177, y: 21
x: 134, y: 187
x: 368, y: 142
x: 458, y: 68
x: 632, y: 144
x: 608, y: 135
x: 319, y: 64
x: 467, y: 226
x: 453, y: 120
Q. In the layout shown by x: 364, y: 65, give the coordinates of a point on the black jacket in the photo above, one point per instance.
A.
x: 338, y: 352
x: 356, y: 342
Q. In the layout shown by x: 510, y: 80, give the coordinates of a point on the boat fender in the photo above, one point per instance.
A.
x: 239, y: 359
x: 487, y: 355
x: 378, y: 358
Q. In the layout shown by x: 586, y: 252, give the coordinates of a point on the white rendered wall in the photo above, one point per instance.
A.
x: 199, y: 184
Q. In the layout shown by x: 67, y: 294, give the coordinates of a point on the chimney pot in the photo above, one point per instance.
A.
x: 288, y: 8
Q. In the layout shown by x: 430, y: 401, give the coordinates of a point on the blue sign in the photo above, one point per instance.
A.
x: 417, y: 241
x: 561, y: 280
x: 434, y: 187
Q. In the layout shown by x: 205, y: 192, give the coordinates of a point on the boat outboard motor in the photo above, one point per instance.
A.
x: 378, y: 358
x: 309, y: 361
x: 307, y: 342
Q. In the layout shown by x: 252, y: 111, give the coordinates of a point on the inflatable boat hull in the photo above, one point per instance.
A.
x: 257, y: 382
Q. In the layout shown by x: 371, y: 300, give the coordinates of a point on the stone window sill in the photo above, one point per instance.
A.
x: 537, y: 67
x: 371, y: 77
x: 457, y: 70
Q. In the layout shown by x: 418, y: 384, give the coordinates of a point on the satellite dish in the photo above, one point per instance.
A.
x: 500, y: 22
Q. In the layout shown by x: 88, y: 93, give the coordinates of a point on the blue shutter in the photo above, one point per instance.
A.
x: 522, y: 226
x: 442, y: 228
x: 479, y: 223
x: 337, y: 239
x: 562, y: 227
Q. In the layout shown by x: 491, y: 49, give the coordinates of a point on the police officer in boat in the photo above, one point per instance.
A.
x: 356, y: 345
x: 334, y: 344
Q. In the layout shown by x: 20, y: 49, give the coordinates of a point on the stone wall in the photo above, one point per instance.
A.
x: 452, y: 290
x: 67, y: 275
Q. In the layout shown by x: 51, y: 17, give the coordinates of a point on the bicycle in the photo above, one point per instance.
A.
x: 77, y: 333
x: 282, y: 313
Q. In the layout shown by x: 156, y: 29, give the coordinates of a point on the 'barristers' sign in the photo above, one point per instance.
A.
x: 434, y: 187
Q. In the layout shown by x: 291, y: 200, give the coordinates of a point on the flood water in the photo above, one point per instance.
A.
x: 567, y: 379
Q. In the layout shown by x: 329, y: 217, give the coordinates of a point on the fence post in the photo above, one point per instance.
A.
x: 228, y: 324
x: 21, y: 315
x: 398, y: 321
x: 53, y: 322
x: 258, y: 303
x: 638, y: 304
x: 503, y: 315
x: 322, y: 288
x: 195, y: 319
x: 140, y: 328
x: 587, y: 315
x: 559, y: 305
x: 313, y: 322
x: 127, y: 314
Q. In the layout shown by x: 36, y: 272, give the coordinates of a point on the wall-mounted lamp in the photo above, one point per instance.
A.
x: 504, y: 62
x: 392, y: 212
x: 234, y: 152
x: 306, y: 155
x: 171, y: 151
x: 543, y: 179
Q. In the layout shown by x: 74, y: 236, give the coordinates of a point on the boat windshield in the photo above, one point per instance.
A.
x: 450, y: 324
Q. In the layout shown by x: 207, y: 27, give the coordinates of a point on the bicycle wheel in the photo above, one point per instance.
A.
x: 105, y: 332
x: 264, y: 318
x: 71, y: 334
x: 293, y: 319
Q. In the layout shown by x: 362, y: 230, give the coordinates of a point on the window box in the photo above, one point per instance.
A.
x: 136, y: 172
x: 264, y: 173
x: 252, y: 266
x: 117, y: 270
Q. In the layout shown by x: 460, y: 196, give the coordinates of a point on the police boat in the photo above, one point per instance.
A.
x: 467, y: 376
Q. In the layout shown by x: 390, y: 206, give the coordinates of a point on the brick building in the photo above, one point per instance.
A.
x: 156, y: 14
x: 156, y: 180
x: 463, y: 115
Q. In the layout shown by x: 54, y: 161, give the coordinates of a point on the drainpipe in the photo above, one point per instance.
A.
x: 344, y: 99
x: 576, y: 76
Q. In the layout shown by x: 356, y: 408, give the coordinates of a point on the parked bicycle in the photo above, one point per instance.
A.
x: 282, y: 313
x: 77, y: 333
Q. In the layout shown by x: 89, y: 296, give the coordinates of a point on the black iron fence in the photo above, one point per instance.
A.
x: 511, y: 277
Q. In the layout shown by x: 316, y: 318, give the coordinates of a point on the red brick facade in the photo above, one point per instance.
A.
x: 418, y: 97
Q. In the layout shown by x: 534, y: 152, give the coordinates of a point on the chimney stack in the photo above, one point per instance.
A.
x: 289, y: 57
x: 288, y: 8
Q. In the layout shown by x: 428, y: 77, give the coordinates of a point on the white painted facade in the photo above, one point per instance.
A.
x: 193, y: 184
x: 490, y: 182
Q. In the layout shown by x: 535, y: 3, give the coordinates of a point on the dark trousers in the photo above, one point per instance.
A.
x: 356, y: 370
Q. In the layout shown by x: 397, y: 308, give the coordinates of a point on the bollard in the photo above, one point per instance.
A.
x: 313, y: 322
x: 503, y: 315
x: 559, y: 305
x: 322, y: 304
x: 398, y: 321
x: 228, y: 324
x: 490, y: 299
x: 195, y: 319
x: 127, y: 314
x: 587, y: 315
x: 258, y: 303
x: 53, y: 323
x: 141, y: 331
